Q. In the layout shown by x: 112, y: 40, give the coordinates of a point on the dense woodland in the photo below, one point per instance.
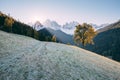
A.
x: 8, y: 24
x: 107, y: 43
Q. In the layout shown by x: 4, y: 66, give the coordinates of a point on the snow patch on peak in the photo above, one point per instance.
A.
x: 52, y: 24
x: 70, y: 25
x: 69, y: 28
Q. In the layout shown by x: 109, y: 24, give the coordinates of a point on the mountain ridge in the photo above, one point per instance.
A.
x: 67, y: 28
x: 110, y: 26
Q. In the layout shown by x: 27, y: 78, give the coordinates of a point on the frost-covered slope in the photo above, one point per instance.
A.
x: 23, y: 58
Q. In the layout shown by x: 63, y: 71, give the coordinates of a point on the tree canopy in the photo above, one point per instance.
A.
x: 8, y: 24
x: 84, y: 34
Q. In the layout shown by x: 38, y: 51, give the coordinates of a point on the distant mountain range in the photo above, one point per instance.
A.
x: 67, y: 28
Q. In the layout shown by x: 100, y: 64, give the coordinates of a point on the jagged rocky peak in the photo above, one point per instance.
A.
x: 37, y: 25
x: 70, y: 25
x: 52, y: 24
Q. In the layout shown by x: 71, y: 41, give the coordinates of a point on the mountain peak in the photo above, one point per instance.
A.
x: 52, y: 24
x: 37, y: 25
x: 70, y: 25
x: 69, y: 28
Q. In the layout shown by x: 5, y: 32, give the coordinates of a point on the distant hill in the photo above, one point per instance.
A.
x: 61, y: 36
x: 111, y: 26
x: 24, y: 58
x: 96, y: 27
x: 107, y: 42
x: 45, y: 34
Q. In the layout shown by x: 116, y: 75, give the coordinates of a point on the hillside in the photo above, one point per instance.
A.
x: 111, y: 26
x: 61, y: 36
x: 24, y: 58
x: 9, y: 24
x: 107, y: 42
x: 45, y: 35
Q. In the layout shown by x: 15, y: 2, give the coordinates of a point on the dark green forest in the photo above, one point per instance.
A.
x: 9, y: 24
x: 107, y: 43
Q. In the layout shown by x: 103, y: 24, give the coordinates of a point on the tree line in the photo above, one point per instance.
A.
x: 8, y: 24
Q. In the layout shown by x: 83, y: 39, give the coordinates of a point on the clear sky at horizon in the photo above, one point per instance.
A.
x: 62, y: 11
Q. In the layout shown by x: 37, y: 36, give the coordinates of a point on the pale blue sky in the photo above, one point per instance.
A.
x: 90, y: 11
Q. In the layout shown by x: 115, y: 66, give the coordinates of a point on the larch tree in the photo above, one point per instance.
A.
x: 54, y: 38
x: 8, y: 24
x: 84, y: 34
